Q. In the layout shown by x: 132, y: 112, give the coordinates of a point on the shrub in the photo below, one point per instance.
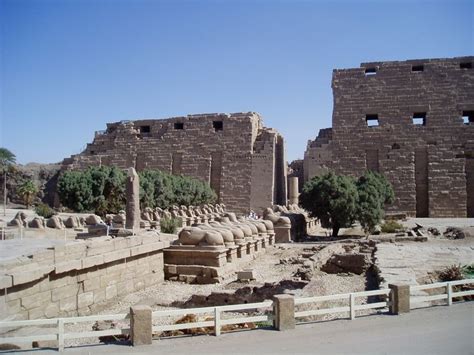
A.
x: 451, y: 273
x: 44, y: 210
x: 102, y: 190
x: 169, y: 225
x: 331, y: 198
x: 374, y: 191
x: 391, y: 227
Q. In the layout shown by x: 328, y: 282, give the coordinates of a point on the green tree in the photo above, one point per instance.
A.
x: 27, y: 190
x: 7, y: 159
x: 374, y: 192
x: 332, y: 199
x: 102, y: 190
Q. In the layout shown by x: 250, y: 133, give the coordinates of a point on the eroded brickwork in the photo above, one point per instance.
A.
x: 234, y: 153
x: 405, y: 119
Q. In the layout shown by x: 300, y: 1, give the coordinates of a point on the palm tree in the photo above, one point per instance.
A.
x: 27, y: 191
x: 7, y: 159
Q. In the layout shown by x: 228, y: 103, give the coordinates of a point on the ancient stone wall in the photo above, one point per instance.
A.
x: 74, y: 278
x: 231, y: 152
x: 318, y: 155
x: 413, y: 121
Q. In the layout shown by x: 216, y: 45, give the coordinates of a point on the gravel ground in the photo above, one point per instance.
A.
x: 267, y: 268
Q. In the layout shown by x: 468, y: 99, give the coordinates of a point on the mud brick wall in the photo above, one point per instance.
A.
x: 429, y: 164
x: 225, y: 150
x: 75, y: 278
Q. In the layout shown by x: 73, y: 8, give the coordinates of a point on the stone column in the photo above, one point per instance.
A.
x: 293, y: 191
x: 284, y: 310
x: 400, y: 298
x: 140, y: 325
x: 132, y: 220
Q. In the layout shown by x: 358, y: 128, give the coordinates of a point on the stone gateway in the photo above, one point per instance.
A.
x: 243, y: 161
x: 412, y: 121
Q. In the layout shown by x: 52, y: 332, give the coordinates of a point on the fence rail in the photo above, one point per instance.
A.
x: 351, y: 307
x: 448, y: 293
x: 217, y: 322
x: 58, y: 333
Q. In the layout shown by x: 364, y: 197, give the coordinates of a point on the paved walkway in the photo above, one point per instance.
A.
x: 436, y: 330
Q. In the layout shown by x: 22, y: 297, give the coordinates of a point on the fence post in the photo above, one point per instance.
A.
x: 140, y: 325
x: 284, y: 310
x: 352, y: 305
x: 450, y: 293
x: 61, y: 334
x: 217, y: 321
x: 399, y: 298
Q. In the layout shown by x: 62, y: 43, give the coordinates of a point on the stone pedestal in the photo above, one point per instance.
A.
x: 140, y: 325
x: 284, y: 310
x: 282, y: 234
x: 232, y: 254
x: 399, y: 298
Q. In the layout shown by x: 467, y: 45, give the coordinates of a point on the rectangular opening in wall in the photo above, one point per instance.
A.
x: 469, y: 168
x: 372, y: 120
x: 145, y: 129
x: 465, y: 65
x: 419, y: 118
x: 179, y: 125
x: 370, y: 71
x: 468, y: 117
x: 218, y: 125
x: 372, y: 160
x: 216, y: 173
x: 421, y: 182
x: 176, y: 161
x: 417, y: 68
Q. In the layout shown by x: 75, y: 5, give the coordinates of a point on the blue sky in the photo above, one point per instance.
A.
x: 68, y: 67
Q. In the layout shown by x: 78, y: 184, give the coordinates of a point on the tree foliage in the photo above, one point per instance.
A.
x: 102, y: 190
x: 374, y: 192
x: 338, y: 201
x: 332, y: 199
x: 27, y: 191
x: 6, y: 158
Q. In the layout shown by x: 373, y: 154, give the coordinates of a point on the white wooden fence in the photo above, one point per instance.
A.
x: 58, y: 333
x: 417, y: 301
x: 351, y: 307
x: 217, y: 322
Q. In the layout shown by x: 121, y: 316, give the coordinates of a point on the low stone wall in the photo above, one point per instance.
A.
x: 72, y: 279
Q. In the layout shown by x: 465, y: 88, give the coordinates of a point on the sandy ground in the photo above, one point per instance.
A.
x: 406, y: 262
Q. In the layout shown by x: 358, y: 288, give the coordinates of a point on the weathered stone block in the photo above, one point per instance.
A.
x: 141, y: 325
x: 284, y: 309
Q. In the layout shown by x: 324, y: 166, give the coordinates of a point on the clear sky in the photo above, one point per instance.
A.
x: 70, y: 66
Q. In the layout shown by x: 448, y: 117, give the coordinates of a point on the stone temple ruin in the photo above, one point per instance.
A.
x: 412, y: 121
x: 242, y: 161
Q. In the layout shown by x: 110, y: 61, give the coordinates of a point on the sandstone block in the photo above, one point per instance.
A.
x: 110, y: 292
x: 85, y: 299
x: 284, y: 312
x: 92, y: 261
x: 63, y: 292
x: 6, y: 281
x: 68, y: 304
x: 141, y: 325
x: 68, y: 266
